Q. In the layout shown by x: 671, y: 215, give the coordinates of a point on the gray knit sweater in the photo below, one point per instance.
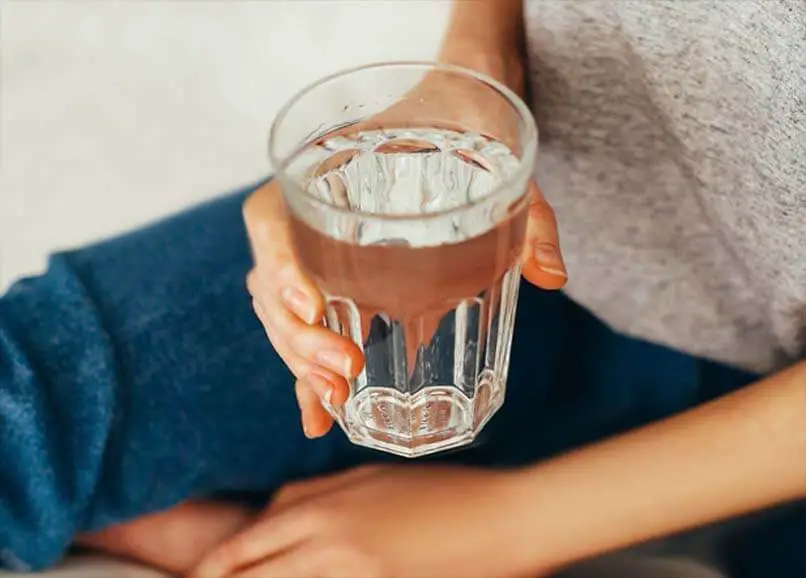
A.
x: 673, y: 148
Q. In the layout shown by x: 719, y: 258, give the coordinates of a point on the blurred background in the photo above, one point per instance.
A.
x: 113, y: 113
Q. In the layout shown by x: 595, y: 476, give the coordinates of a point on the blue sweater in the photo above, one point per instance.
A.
x: 133, y: 376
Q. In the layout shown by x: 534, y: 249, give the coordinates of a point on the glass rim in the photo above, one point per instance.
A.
x: 525, y: 162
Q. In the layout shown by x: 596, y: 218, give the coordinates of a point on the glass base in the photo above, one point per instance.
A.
x: 434, y: 419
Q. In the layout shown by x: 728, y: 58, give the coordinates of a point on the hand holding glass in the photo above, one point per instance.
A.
x: 410, y: 216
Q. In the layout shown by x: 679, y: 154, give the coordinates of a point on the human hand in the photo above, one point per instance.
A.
x: 174, y: 540
x: 383, y: 522
x: 290, y: 308
x: 288, y: 303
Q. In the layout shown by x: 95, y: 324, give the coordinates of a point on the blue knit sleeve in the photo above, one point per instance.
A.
x: 133, y: 376
x: 57, y: 411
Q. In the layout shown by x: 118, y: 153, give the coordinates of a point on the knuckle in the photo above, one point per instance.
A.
x: 258, y: 284
x: 298, y: 370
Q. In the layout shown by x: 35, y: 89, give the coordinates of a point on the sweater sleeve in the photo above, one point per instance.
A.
x: 133, y: 376
x: 57, y: 411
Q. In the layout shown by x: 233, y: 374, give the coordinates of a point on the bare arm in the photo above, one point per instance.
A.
x: 487, y: 36
x: 741, y: 453
x: 494, y: 23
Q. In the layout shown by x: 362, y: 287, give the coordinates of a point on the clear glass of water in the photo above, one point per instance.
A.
x: 406, y: 188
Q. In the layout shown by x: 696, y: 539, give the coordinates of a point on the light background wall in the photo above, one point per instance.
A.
x: 113, y: 113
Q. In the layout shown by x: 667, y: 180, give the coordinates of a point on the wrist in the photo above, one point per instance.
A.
x: 495, y: 24
x: 503, y: 64
x: 487, y: 36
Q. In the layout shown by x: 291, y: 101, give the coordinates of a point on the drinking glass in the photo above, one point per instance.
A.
x: 406, y: 186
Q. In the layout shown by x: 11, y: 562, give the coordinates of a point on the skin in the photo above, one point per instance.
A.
x: 745, y: 451
x: 290, y: 306
x: 738, y: 454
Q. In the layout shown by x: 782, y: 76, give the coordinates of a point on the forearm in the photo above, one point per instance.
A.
x: 491, y: 23
x: 487, y: 36
x: 738, y: 454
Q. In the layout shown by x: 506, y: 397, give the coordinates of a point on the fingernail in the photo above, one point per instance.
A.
x: 549, y: 260
x: 321, y: 385
x: 299, y: 303
x: 335, y: 361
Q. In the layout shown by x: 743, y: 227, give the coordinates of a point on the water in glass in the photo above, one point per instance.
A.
x: 430, y: 301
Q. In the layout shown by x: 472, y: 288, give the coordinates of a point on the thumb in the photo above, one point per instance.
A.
x: 543, y: 264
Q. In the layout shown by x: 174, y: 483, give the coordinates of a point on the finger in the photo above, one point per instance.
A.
x: 327, y: 383
x: 316, y: 559
x: 288, y: 565
x: 296, y: 364
x: 332, y: 389
x: 292, y: 494
x: 318, y: 345
x: 543, y: 263
x: 316, y: 421
x: 272, y: 246
x: 319, y: 386
x: 293, y: 338
x: 265, y: 539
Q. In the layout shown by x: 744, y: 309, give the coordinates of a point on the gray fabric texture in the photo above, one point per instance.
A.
x: 673, y: 148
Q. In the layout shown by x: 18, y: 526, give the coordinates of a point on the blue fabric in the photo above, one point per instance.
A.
x: 133, y: 375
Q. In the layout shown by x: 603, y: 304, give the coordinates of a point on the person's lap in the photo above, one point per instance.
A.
x: 187, y: 335
x: 208, y: 408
